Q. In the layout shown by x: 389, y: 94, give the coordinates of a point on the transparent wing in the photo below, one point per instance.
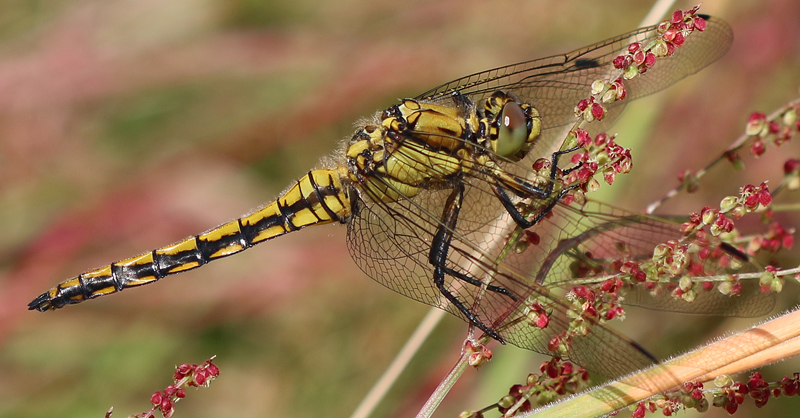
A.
x: 596, y: 236
x: 391, y: 242
x: 555, y: 84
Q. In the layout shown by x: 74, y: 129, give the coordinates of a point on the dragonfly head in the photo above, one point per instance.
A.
x: 512, y: 126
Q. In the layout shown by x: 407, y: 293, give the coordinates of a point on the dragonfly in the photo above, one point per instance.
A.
x: 432, y: 191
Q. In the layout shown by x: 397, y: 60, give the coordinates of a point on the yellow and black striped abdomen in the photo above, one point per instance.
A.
x: 317, y: 198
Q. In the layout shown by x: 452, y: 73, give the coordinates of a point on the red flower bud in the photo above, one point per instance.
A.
x: 597, y: 111
x: 699, y: 23
x: 200, y: 377
x: 639, y: 411
x: 679, y: 39
x: 758, y: 148
x: 677, y: 16
x: 212, y: 370
x: 791, y: 165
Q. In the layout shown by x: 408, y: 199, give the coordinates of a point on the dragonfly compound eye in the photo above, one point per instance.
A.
x: 513, y: 133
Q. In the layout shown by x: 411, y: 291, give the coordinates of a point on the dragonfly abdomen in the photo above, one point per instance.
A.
x: 317, y: 198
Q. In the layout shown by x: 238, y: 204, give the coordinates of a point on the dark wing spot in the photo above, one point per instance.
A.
x: 731, y: 250
x: 586, y: 63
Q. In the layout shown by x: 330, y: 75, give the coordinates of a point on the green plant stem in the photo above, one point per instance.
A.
x: 444, y: 387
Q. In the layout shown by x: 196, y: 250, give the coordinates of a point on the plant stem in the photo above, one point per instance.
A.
x: 771, y: 341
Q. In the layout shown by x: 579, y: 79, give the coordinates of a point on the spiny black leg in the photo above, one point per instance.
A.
x: 518, y: 217
x: 475, y: 282
x: 526, y: 190
x: 733, y: 251
x: 529, y: 191
x: 511, y: 208
x: 438, y: 279
x: 554, y: 162
x: 440, y: 247
x: 573, y: 168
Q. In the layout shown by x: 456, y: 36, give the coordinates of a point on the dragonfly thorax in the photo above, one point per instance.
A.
x: 418, y: 145
x: 413, y: 146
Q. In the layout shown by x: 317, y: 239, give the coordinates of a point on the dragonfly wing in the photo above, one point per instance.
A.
x: 751, y: 302
x: 610, y: 234
x: 391, y: 243
x: 391, y: 240
x: 555, y: 84
x: 601, y: 349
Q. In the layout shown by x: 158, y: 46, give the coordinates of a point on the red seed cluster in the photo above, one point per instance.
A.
x: 721, y: 220
x: 791, y: 166
x: 557, y: 378
x: 731, y: 396
x: 538, y: 316
x: 590, y: 110
x: 638, y: 59
x: 777, y: 130
x: 597, y: 301
x: 479, y: 354
x: 755, y: 195
x: 600, y: 154
x: 185, y: 375
x: 672, y: 34
x: 776, y: 238
x: 728, y: 397
x: 690, y: 395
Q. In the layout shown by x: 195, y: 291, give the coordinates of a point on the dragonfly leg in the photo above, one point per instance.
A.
x: 554, y: 169
x: 525, y: 190
x: 475, y: 282
x: 440, y: 247
x: 518, y: 217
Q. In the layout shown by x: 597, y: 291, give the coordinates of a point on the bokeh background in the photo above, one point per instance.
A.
x: 126, y: 125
